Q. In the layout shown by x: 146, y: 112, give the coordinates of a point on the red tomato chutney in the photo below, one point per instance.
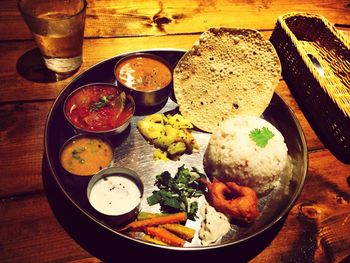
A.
x: 98, y: 107
x: 143, y: 73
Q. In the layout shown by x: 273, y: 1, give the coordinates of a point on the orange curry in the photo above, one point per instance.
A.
x: 143, y: 73
x: 86, y: 155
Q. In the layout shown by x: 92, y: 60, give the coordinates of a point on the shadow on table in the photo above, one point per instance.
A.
x: 108, y: 247
x: 31, y: 66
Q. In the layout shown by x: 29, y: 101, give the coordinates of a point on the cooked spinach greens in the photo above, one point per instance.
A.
x: 175, y: 193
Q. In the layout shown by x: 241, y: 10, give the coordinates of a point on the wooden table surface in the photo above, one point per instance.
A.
x: 29, y: 231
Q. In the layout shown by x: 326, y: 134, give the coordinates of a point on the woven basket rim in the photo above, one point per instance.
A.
x: 340, y: 35
x: 304, y: 56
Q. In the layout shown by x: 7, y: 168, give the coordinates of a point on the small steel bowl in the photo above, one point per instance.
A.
x: 79, y: 156
x: 145, y: 98
x: 112, y: 196
x: 129, y: 107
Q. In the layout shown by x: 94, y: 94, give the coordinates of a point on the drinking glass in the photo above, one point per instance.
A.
x: 57, y: 27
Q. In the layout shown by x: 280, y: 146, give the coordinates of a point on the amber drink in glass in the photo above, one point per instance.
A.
x: 57, y: 27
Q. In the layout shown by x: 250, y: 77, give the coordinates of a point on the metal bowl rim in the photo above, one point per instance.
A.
x: 142, y: 54
x: 129, y: 97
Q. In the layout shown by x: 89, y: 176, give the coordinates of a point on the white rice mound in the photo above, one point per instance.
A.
x: 231, y: 155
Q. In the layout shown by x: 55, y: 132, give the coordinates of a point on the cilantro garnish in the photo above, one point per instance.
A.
x: 76, y: 152
x: 100, y: 104
x: 174, y: 192
x: 261, y: 136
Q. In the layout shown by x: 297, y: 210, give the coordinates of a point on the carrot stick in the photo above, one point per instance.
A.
x: 164, y: 235
x: 167, y: 219
x: 180, y: 230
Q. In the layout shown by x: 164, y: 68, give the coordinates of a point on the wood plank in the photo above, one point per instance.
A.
x: 42, y: 239
x: 21, y: 147
x: 24, y: 105
x: 122, y: 18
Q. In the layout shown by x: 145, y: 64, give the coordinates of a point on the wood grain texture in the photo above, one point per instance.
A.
x: 134, y: 18
x: 40, y: 239
x: 336, y: 240
x: 29, y: 231
x: 21, y: 147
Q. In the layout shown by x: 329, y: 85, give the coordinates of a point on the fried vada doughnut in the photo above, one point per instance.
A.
x: 238, y: 202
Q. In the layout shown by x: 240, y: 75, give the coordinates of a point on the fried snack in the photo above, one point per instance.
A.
x: 228, y: 72
x: 238, y: 202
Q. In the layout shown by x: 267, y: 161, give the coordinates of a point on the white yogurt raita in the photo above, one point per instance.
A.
x: 115, y: 195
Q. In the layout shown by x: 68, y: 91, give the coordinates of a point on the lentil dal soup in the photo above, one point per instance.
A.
x: 86, y: 155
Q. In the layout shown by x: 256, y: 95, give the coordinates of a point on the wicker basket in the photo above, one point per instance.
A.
x: 315, y: 61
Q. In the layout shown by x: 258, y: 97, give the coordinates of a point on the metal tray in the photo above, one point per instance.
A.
x: 132, y: 151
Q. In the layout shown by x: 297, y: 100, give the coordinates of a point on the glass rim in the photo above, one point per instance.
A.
x: 24, y: 13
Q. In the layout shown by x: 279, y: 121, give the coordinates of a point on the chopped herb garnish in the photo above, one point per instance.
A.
x: 76, y: 152
x: 261, y: 136
x: 174, y: 192
x: 101, y: 103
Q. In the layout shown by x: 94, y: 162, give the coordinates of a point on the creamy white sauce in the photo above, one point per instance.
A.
x: 114, y: 195
x: 214, y: 225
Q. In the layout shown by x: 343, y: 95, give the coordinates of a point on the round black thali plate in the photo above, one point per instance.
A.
x: 132, y: 151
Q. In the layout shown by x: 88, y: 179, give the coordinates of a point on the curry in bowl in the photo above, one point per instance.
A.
x: 86, y: 155
x: 99, y: 108
x: 147, y: 77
